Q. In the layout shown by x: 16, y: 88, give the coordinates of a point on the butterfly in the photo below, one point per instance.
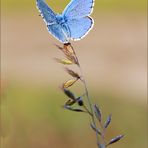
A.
x: 73, y: 24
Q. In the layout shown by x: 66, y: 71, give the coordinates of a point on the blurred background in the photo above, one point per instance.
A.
x: 114, y: 61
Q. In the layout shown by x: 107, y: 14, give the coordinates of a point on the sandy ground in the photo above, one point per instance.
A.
x: 113, y: 55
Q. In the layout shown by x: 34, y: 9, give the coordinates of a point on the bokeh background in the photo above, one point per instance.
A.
x: 113, y: 59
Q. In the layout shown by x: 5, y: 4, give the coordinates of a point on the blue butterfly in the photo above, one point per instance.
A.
x: 73, y: 24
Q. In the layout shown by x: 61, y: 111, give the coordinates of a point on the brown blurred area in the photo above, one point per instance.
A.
x: 113, y: 55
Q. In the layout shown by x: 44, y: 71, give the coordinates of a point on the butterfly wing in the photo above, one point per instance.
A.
x: 47, y: 14
x: 78, y: 9
x: 59, y: 31
x: 77, y: 18
x: 79, y: 27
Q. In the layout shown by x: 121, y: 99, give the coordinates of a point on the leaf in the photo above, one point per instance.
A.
x: 64, y: 61
x: 72, y: 73
x: 117, y: 138
x: 108, y: 120
x: 69, y: 83
x: 69, y: 94
x: 97, y: 112
x: 96, y: 130
x: 73, y: 109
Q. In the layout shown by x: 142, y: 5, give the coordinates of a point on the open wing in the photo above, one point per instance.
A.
x: 47, y: 14
x: 79, y: 27
x: 60, y: 32
x: 78, y: 9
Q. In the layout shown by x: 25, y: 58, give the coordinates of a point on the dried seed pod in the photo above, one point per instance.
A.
x: 69, y: 83
x: 97, y: 113
x: 117, y: 138
x: 69, y: 94
x: 64, y: 61
x: 70, y: 102
x: 69, y: 48
x: 108, y: 120
x: 68, y: 51
x: 72, y: 73
x: 73, y: 109
x: 80, y: 101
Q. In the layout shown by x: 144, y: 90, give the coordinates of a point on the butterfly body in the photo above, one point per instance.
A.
x: 60, y: 19
x: 73, y: 24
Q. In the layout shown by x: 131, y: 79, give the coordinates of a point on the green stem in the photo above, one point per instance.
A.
x: 87, y: 110
x: 88, y: 98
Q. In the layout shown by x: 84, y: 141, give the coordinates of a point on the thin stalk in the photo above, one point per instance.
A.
x: 103, y: 133
x: 90, y: 104
x: 87, y: 96
x: 87, y: 110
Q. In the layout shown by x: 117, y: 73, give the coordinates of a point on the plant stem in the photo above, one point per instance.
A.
x: 88, y: 98
x: 87, y: 110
